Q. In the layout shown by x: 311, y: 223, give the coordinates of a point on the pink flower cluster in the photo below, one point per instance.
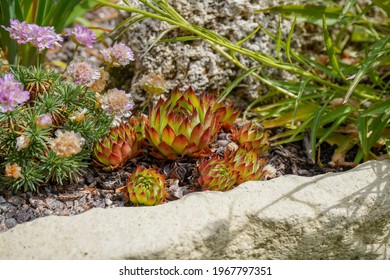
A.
x: 42, y: 37
x: 83, y: 73
x: 82, y: 35
x: 118, y: 55
x: 11, y: 93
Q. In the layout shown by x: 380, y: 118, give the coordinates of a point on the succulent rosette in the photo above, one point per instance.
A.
x: 228, y: 114
x: 182, y: 125
x: 138, y: 124
x: 217, y: 174
x: 248, y: 164
x: 116, y: 147
x: 250, y: 138
x: 145, y: 187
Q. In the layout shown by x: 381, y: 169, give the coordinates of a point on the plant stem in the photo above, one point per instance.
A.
x: 73, y: 54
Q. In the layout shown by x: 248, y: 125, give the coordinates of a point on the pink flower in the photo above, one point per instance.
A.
x: 83, y: 73
x: 82, y: 35
x: 118, y: 55
x: 19, y: 31
x: 11, y: 93
x: 67, y: 143
x: 41, y: 37
x: 117, y: 102
x: 44, y: 121
x: 45, y: 38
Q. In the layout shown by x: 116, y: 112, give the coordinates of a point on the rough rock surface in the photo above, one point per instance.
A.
x: 332, y: 216
x: 196, y: 63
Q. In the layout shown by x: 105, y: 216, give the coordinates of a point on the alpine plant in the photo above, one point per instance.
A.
x: 248, y: 164
x: 236, y: 167
x: 182, y: 125
x: 228, y: 114
x: 217, y: 174
x: 145, y: 187
x: 116, y: 147
x: 251, y: 139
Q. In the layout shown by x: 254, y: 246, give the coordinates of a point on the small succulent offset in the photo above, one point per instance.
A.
x: 248, y: 164
x: 222, y: 174
x: 217, y: 174
x: 228, y: 114
x: 250, y: 138
x: 145, y: 187
x: 235, y: 167
x: 182, y: 125
x: 116, y: 147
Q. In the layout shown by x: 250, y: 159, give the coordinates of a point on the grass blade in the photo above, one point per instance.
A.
x: 288, y: 41
x: 233, y: 84
x: 310, y: 13
x: 380, y: 108
x: 249, y: 36
x: 370, y: 130
x: 159, y: 37
x: 346, y: 8
x: 298, y: 100
x: 383, y: 4
x: 330, y: 49
x: 304, y: 112
x: 376, y: 50
x: 278, y: 40
x: 331, y: 129
x: 313, y: 132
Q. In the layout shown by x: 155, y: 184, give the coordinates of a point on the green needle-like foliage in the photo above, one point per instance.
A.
x: 49, y: 139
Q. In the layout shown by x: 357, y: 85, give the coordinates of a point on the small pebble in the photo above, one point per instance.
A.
x: 65, y: 212
x: 108, y: 202
x: 86, y: 207
x: 16, y: 200
x: 90, y: 178
x: 69, y: 203
x: 3, y: 227
x: 10, y: 223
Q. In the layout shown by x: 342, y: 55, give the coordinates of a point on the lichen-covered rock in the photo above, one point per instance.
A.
x: 196, y: 63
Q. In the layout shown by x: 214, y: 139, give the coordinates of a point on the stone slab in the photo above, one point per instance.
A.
x: 332, y: 216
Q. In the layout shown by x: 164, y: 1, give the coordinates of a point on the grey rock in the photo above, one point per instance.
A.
x: 90, y: 178
x: 10, y: 223
x: 331, y: 216
x: 196, y: 63
x: 25, y: 215
x: 37, y: 202
x: 69, y: 203
x: 16, y: 200
x: 9, y: 209
x: 2, y: 199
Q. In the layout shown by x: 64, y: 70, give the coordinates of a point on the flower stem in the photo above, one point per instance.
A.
x: 146, y: 102
x: 71, y: 58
